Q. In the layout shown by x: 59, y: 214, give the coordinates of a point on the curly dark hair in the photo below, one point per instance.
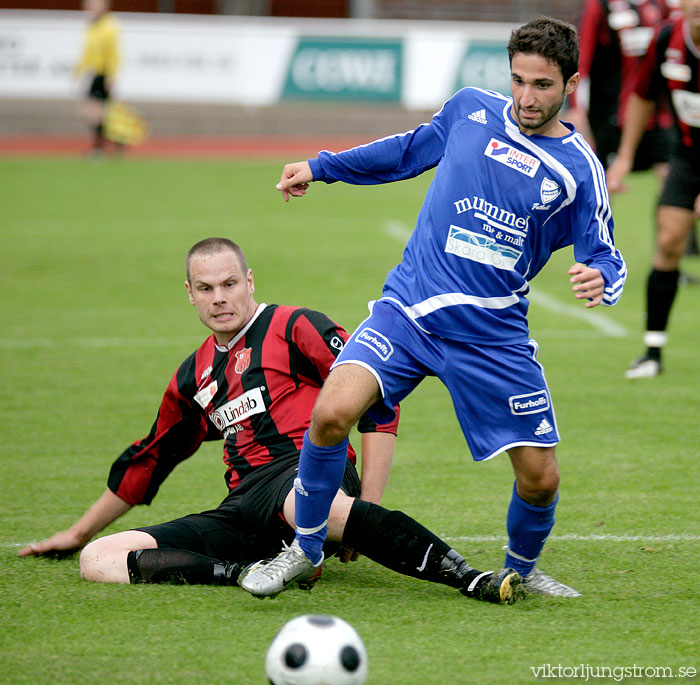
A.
x: 553, y: 39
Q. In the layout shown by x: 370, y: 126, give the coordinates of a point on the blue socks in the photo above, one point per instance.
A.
x: 321, y: 471
x: 528, y: 528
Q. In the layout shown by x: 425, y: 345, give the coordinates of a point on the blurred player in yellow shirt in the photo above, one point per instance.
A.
x: 100, y: 62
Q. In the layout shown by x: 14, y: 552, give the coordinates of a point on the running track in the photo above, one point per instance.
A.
x: 221, y: 148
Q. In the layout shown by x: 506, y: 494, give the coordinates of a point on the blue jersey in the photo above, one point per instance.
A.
x: 499, y: 205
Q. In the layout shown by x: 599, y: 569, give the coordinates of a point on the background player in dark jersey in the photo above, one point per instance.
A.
x: 671, y: 67
x: 253, y: 383
x: 613, y: 37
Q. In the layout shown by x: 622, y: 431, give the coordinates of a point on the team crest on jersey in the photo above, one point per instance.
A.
x: 242, y: 360
x: 512, y: 157
x: 549, y: 191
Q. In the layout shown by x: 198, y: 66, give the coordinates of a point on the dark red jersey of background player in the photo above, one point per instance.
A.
x: 613, y: 36
x: 671, y: 66
x: 256, y: 393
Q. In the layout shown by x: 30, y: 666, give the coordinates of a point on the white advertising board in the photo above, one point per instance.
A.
x: 256, y: 61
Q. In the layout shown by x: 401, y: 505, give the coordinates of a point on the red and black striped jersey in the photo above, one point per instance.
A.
x: 672, y: 66
x: 256, y: 394
x: 614, y: 35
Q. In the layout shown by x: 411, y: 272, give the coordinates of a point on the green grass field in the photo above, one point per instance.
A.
x: 94, y: 322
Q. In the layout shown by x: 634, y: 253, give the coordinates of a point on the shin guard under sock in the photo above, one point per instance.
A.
x: 398, y: 542
x: 321, y: 471
x: 179, y: 566
x: 528, y: 529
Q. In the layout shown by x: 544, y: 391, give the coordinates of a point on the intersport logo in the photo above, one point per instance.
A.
x: 512, y: 157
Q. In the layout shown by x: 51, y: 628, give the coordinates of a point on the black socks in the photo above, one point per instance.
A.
x: 179, y: 566
x: 662, y: 287
x: 398, y: 542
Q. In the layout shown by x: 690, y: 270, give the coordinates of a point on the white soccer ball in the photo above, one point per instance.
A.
x: 316, y: 650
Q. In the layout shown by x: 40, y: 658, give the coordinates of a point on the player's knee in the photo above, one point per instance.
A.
x: 104, y: 561
x: 669, y: 253
x: 540, y: 489
x: 90, y: 561
x: 331, y: 425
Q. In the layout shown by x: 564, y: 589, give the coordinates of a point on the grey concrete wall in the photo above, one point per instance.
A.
x: 56, y: 118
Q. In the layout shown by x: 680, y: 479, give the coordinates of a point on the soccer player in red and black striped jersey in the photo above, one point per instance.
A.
x: 670, y: 68
x: 613, y: 38
x: 253, y: 383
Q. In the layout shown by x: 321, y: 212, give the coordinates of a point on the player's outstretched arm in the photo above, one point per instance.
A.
x: 106, y: 509
x: 638, y: 113
x: 377, y: 457
x: 295, y: 180
x: 588, y: 284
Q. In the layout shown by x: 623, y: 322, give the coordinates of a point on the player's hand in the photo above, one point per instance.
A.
x: 616, y: 174
x: 295, y: 180
x: 696, y: 209
x: 61, y: 544
x: 588, y: 284
x: 346, y: 554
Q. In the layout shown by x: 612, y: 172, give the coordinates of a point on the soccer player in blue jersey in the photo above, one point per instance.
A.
x: 513, y: 184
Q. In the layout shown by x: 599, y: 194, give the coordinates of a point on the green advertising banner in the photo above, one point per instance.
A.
x: 329, y: 68
x: 484, y: 65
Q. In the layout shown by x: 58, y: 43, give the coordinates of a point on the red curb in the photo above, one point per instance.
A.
x: 254, y: 148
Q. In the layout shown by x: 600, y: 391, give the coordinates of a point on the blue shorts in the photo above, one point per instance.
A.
x: 499, y: 392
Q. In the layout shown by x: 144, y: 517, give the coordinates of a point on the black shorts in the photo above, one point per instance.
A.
x: 682, y: 185
x: 98, y: 89
x: 247, y: 525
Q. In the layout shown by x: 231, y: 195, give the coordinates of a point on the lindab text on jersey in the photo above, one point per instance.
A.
x: 243, y: 406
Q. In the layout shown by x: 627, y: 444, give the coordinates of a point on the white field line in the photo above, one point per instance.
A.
x: 67, y: 343
x: 567, y: 537
x: 599, y: 321
x: 593, y: 318
x: 574, y: 537
x: 398, y: 230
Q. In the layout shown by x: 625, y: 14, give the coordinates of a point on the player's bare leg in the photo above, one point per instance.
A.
x: 105, y: 560
x: 348, y: 392
x: 92, y: 110
x: 134, y: 557
x: 531, y: 516
x: 675, y: 226
x: 536, y: 474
